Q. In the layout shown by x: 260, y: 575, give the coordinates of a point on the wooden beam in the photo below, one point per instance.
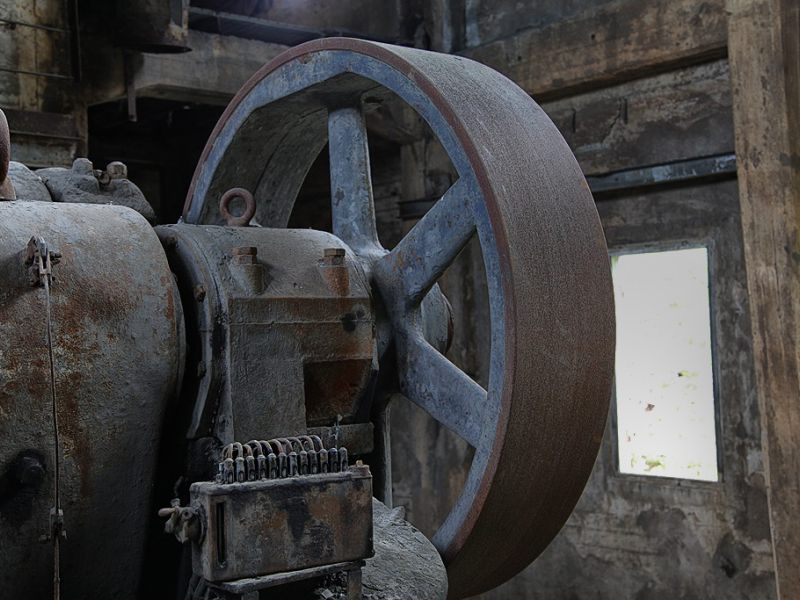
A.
x: 215, y: 69
x: 669, y: 117
x: 43, y: 124
x: 616, y: 42
x: 763, y: 54
x: 211, y: 73
x: 44, y: 139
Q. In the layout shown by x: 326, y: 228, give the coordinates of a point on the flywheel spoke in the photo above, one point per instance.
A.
x: 433, y: 243
x: 352, y: 205
x: 443, y: 390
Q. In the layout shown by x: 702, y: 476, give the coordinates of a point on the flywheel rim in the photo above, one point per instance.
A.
x: 541, y: 239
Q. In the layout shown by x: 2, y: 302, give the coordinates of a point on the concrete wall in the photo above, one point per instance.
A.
x: 655, y: 538
x: 37, y: 90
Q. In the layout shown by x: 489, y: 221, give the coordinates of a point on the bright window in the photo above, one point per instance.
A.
x: 666, y: 423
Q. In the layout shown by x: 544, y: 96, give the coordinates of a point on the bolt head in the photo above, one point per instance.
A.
x: 83, y: 166
x: 117, y: 170
x: 333, y: 257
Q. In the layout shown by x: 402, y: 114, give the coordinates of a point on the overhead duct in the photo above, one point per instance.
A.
x: 158, y: 26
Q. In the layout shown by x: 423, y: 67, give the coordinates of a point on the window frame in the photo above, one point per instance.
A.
x: 665, y: 246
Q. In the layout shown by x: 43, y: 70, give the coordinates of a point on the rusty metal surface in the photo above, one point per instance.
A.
x: 84, y: 184
x: 27, y: 184
x: 117, y: 354
x: 5, y: 146
x: 279, y: 458
x: 247, y: 213
x: 538, y: 426
x: 271, y: 526
x: 6, y: 186
x: 357, y: 437
x: 406, y: 564
x: 277, y: 343
x: 352, y: 204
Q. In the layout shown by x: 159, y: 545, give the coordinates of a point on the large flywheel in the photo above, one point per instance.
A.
x: 537, y: 427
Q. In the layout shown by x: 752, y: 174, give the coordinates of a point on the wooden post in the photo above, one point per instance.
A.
x: 764, y: 49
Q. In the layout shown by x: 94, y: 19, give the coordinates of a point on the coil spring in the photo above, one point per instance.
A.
x: 279, y: 458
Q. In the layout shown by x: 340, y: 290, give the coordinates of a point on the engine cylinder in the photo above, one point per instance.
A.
x: 117, y: 350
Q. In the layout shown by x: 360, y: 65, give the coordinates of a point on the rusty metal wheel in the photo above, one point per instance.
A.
x: 537, y: 427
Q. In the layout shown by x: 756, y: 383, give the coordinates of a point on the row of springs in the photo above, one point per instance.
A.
x: 279, y: 458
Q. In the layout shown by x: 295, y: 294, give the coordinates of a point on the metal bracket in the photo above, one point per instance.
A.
x: 186, y: 523
x: 40, y: 260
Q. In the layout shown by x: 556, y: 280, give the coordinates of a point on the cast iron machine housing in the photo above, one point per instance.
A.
x: 233, y: 361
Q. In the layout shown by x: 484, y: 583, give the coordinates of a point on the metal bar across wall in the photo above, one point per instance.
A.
x: 71, y: 17
x: 256, y: 28
x: 685, y: 170
x: 709, y: 167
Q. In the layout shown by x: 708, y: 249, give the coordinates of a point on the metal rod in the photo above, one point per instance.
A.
x: 670, y: 173
x: 35, y: 73
x: 130, y: 87
x: 48, y: 136
x: 46, y: 268
x: 33, y: 25
x: 53, y: 394
x: 675, y: 172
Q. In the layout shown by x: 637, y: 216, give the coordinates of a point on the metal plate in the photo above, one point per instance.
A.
x: 537, y: 427
x: 264, y: 527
